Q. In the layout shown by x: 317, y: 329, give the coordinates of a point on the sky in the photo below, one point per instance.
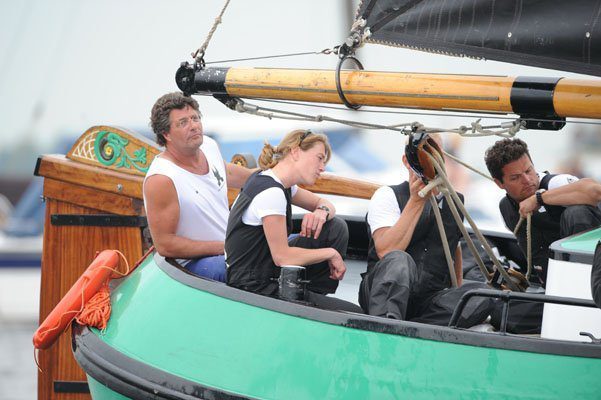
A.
x: 67, y: 65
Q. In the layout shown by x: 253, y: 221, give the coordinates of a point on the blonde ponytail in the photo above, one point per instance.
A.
x: 268, y: 158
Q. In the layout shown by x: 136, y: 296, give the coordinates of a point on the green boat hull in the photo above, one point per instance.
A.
x: 205, y: 339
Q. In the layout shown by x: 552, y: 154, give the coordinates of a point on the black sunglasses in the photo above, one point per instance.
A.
x: 304, y: 136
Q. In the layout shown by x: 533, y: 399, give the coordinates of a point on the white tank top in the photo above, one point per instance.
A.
x: 203, y: 204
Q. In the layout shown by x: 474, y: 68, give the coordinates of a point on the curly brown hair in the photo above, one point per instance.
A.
x: 502, y: 153
x: 159, y: 117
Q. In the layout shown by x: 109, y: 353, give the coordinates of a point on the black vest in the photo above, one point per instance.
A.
x: 545, y: 226
x: 248, y: 259
x: 425, y: 246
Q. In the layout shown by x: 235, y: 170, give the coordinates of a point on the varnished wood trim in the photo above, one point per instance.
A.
x: 340, y: 186
x: 92, y: 198
x: 61, y: 169
x: 66, y: 253
x: 334, y: 185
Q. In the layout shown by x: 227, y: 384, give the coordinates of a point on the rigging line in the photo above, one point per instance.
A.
x: 487, y: 116
x: 325, y: 51
x: 447, y: 114
x: 477, y: 129
x: 261, y: 111
x: 270, y: 113
x: 199, y: 54
x: 466, y: 165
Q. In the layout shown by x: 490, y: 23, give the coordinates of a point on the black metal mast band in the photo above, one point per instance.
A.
x: 339, y: 86
x: 192, y: 80
x: 532, y: 99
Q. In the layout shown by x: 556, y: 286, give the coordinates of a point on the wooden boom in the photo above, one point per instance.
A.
x: 529, y: 97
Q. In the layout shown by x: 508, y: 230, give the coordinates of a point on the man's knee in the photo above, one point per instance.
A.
x: 397, y: 266
x: 578, y: 218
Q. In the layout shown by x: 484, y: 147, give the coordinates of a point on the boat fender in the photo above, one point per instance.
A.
x: 88, y: 284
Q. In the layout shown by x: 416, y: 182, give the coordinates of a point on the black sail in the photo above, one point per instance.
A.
x: 553, y: 34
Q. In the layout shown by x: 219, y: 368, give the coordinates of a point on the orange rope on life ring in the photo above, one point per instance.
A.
x: 89, y: 283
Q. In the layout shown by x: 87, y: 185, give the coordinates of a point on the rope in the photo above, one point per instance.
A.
x: 517, y: 227
x: 443, y: 239
x: 325, y: 51
x: 466, y: 165
x: 447, y: 114
x: 98, y: 309
x: 470, y: 243
x: 445, y: 191
x: 512, y: 285
x: 198, y: 55
x: 528, y: 241
x: 270, y: 113
x: 529, y: 244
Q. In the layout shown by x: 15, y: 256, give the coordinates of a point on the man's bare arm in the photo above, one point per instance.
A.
x: 584, y: 191
x: 398, y: 236
x: 162, y: 209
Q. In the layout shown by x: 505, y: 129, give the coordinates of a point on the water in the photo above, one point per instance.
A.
x: 18, y: 372
x: 19, y: 302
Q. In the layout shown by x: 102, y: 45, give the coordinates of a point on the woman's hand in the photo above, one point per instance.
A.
x: 313, y: 223
x: 337, y: 267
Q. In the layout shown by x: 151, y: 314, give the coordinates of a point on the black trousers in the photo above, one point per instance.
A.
x: 578, y: 218
x: 388, y: 290
x: 334, y: 234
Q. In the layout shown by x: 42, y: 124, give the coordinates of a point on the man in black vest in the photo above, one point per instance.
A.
x: 407, y: 274
x: 561, y: 205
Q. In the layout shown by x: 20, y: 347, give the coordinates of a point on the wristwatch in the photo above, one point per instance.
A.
x: 326, y: 209
x: 539, y: 197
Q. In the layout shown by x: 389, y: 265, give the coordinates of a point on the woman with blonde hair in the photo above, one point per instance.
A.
x: 260, y: 222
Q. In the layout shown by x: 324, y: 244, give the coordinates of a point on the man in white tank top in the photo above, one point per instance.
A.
x: 185, y: 189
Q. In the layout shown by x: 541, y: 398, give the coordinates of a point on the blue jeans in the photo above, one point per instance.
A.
x: 212, y: 267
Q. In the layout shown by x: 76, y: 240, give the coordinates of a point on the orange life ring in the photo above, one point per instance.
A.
x: 88, y: 284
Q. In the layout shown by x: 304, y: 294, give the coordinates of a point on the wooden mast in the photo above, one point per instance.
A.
x: 535, y: 97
